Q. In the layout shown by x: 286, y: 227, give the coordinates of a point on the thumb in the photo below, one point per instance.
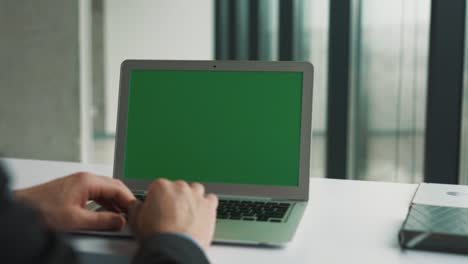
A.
x: 101, y: 220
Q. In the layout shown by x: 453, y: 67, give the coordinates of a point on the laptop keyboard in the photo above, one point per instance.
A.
x: 248, y: 210
x: 252, y: 210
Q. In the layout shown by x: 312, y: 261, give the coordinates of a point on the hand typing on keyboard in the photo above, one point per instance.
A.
x: 176, y: 207
x: 62, y: 202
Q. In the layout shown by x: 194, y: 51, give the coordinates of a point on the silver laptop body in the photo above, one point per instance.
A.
x: 269, y: 232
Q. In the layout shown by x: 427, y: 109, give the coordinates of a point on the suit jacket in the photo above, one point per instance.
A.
x: 24, y: 238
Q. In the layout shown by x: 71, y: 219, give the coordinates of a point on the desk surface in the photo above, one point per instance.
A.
x: 345, y: 222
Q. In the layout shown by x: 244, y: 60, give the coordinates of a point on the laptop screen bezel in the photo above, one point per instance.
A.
x: 300, y: 192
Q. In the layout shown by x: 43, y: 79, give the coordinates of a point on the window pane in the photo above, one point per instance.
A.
x: 316, y: 28
x: 389, y: 90
x: 464, y: 131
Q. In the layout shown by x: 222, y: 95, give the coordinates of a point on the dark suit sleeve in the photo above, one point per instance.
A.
x: 23, y: 236
x: 171, y: 249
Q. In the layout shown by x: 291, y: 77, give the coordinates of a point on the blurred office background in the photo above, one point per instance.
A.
x: 59, y: 78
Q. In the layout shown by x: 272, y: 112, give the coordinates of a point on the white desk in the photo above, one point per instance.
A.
x: 345, y: 222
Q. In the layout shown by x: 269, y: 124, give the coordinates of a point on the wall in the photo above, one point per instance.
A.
x: 39, y: 79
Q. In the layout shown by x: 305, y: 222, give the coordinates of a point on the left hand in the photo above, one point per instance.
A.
x: 62, y: 202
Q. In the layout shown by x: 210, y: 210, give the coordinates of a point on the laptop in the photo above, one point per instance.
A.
x: 241, y: 128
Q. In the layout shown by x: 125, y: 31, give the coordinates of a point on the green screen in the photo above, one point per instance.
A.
x: 214, y: 126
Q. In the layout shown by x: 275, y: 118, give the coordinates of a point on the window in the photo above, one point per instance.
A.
x: 390, y: 51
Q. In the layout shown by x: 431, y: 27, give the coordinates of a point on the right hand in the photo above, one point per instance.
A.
x: 176, y: 207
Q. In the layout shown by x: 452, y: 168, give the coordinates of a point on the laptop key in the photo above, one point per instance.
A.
x: 236, y: 215
x: 140, y: 197
x: 277, y: 215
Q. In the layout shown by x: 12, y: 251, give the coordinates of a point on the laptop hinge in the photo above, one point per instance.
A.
x: 260, y: 198
x: 142, y: 192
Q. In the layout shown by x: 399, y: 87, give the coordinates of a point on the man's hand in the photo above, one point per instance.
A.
x: 62, y: 202
x: 176, y: 207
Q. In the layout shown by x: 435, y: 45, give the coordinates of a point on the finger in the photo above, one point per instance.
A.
x: 133, y: 211
x: 104, y: 188
x: 100, y: 220
x: 212, y: 199
x: 181, y: 185
x: 109, y: 205
x: 197, y: 188
x: 158, y: 183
